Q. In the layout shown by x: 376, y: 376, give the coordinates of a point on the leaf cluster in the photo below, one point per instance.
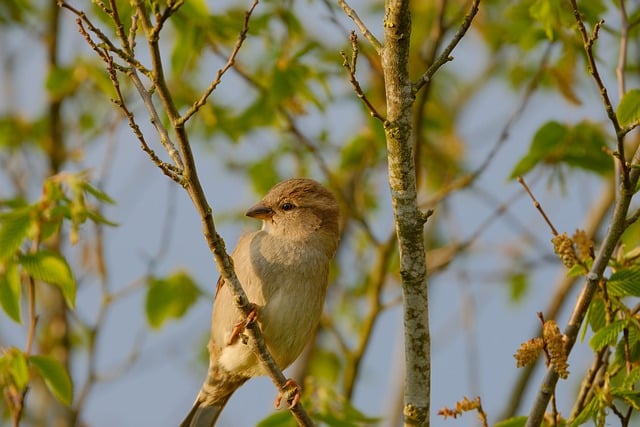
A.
x: 26, y: 262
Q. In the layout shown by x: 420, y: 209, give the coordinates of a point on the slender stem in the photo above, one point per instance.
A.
x: 623, y: 45
x: 588, y: 42
x: 611, y: 239
x: 363, y: 28
x: 445, y: 56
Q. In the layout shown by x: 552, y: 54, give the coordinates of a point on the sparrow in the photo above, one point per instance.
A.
x: 283, y: 269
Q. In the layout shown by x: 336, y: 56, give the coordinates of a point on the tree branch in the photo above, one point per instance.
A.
x: 445, y: 56
x: 611, y: 239
x: 193, y: 186
x: 230, y: 61
x: 409, y: 220
x: 350, y: 65
x: 588, y: 40
x: 363, y: 28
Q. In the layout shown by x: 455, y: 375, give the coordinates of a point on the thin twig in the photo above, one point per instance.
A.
x: 623, y: 45
x: 374, y: 287
x: 350, y: 65
x: 445, y: 56
x: 361, y: 26
x: 129, y: 59
x: 165, y: 139
x: 172, y: 7
x: 588, y: 40
x: 31, y: 333
x: 230, y: 61
x: 538, y: 206
x: 632, y: 218
x: 468, y: 179
x: 115, y: 17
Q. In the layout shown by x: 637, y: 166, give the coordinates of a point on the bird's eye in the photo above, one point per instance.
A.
x: 287, y: 206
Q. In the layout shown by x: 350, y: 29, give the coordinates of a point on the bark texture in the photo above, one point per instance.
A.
x: 409, y: 219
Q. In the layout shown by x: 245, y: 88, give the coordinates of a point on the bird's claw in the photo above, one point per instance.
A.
x: 291, y: 393
x: 242, y: 324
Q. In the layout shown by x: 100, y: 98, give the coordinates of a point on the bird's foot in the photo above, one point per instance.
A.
x: 239, y: 327
x: 291, y: 393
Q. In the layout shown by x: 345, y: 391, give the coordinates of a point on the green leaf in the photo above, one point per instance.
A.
x: 577, y: 270
x: 632, y: 398
x: 607, y: 335
x: 332, y: 421
x: 325, y: 367
x: 628, y: 110
x: 590, y: 412
x: 278, y: 419
x: 596, y: 315
x: 13, y: 364
x: 61, y: 82
x: 169, y: 297
x: 579, y: 146
x: 546, y: 12
x: 546, y: 138
x: 14, y: 228
x: 625, y: 282
x: 55, y: 377
x: 631, y: 378
x: 52, y: 268
x: 519, y: 285
x: 513, y: 422
x: 97, y: 193
x: 10, y: 291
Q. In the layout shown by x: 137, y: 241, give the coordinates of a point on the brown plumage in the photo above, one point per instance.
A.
x: 283, y: 269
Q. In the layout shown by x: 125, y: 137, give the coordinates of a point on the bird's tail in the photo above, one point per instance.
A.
x: 214, y: 394
x: 203, y: 415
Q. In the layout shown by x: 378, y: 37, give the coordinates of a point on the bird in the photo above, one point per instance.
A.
x: 283, y: 269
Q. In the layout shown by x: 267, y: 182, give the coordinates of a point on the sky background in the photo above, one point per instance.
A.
x: 476, y: 327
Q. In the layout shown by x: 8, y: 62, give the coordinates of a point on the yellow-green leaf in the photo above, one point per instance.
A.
x: 628, y: 111
x: 14, y: 227
x: 52, y: 268
x: 169, y: 297
x: 512, y: 422
x: 607, y: 335
x: 13, y: 365
x: 10, y: 291
x: 625, y: 282
x: 55, y: 376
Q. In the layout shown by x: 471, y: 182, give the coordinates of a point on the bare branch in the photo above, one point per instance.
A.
x: 129, y: 59
x: 445, y: 56
x: 611, y: 239
x: 230, y: 61
x: 588, y: 40
x: 468, y: 179
x: 537, y: 205
x: 623, y: 45
x: 165, y: 139
x: 363, y: 28
x: 172, y: 7
x: 351, y: 68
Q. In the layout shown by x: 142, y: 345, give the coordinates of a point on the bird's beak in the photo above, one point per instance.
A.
x: 260, y: 211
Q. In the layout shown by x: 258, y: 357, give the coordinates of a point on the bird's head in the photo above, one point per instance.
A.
x: 299, y: 208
